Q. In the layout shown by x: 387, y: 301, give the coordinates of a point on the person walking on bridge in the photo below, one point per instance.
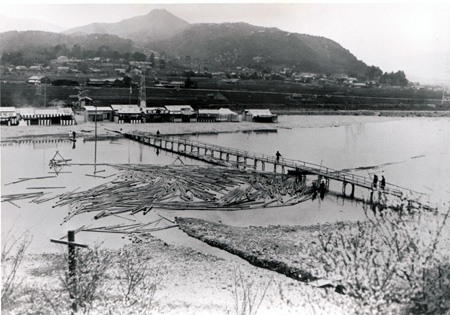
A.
x: 278, y: 154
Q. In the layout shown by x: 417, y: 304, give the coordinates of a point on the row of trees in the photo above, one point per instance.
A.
x: 43, y: 55
x: 398, y: 78
x: 394, y: 78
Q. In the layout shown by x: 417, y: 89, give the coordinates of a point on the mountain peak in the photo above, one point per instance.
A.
x: 160, y: 12
x: 158, y: 24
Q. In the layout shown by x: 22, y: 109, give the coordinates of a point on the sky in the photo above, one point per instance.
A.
x: 412, y: 37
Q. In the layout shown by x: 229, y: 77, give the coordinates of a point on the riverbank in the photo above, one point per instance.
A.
x: 184, y: 282
x: 105, y: 129
x: 320, y: 269
x: 380, y: 113
x: 356, y: 259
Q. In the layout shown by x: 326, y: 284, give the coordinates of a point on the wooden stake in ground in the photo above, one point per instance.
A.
x: 72, y: 263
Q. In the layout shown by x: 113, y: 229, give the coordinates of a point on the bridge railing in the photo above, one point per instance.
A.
x: 295, y: 164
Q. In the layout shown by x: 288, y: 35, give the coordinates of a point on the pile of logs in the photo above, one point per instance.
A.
x: 140, y: 188
x: 15, y: 197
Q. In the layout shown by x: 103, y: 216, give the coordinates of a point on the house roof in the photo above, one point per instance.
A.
x: 99, y: 108
x: 226, y: 111
x: 45, y: 112
x: 36, y: 77
x: 91, y: 80
x: 8, y: 112
x: 178, y: 108
x: 126, y: 109
x: 7, y: 109
x: 259, y: 112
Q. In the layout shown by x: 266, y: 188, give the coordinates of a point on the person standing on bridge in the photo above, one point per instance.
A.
x: 278, y: 154
x: 375, y: 181
x: 382, y: 182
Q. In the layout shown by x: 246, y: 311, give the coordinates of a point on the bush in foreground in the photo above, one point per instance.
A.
x: 394, y: 261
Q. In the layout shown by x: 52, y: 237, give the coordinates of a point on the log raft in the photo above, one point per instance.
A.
x: 226, y: 156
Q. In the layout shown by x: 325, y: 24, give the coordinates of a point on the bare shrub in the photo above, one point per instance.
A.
x: 13, y: 252
x: 393, y: 259
x: 92, y: 267
x: 138, y: 282
x: 247, y: 298
x: 42, y: 299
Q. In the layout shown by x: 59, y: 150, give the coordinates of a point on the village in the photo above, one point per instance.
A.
x: 128, y: 113
x: 138, y: 93
x: 172, y: 72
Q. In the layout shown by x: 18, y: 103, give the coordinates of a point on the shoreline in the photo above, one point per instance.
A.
x: 106, y: 129
x: 368, y: 112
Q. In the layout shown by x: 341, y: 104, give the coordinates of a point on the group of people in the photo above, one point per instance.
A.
x: 382, y: 181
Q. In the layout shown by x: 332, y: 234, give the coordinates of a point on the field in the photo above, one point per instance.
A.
x: 275, y: 95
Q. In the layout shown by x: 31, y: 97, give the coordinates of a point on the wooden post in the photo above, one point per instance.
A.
x: 72, y: 264
x: 72, y: 268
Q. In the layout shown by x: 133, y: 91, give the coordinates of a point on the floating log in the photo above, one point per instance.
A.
x: 46, y: 187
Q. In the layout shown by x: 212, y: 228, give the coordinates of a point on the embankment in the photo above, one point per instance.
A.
x: 276, y: 248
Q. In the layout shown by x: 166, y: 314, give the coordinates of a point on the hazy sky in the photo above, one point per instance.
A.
x: 394, y: 36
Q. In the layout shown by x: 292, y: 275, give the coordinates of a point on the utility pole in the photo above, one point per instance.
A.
x: 129, y: 101
x: 142, y: 93
x: 95, y: 148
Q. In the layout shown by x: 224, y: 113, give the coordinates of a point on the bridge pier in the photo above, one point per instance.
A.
x: 352, y: 192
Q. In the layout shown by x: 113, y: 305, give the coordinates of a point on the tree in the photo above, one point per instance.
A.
x: 137, y: 56
x: 127, y: 81
x: 14, y: 58
x: 152, y: 58
x: 83, y: 66
x: 398, y: 78
x: 373, y: 72
x: 77, y: 52
x: 61, y: 50
x: 190, y: 84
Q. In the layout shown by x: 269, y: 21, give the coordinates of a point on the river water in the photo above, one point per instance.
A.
x: 409, y: 152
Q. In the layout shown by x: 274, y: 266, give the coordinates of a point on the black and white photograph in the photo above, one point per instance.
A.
x: 229, y: 158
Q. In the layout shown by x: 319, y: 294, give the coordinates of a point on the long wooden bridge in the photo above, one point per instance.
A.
x: 226, y: 156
